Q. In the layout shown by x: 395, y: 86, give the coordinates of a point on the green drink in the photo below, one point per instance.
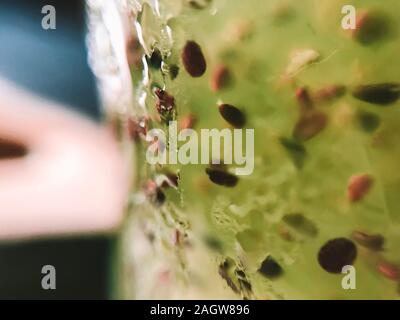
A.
x: 323, y: 193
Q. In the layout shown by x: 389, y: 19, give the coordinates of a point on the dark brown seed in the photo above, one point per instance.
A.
x: 309, y: 125
x: 11, y: 149
x: 371, y: 26
x: 371, y: 241
x: 296, y: 151
x: 220, y: 78
x: 337, y: 253
x: 193, y: 59
x: 232, y: 115
x: 358, y: 186
x: 222, y: 178
x: 382, y: 94
x: 301, y: 224
x: 368, y: 121
x: 270, y: 268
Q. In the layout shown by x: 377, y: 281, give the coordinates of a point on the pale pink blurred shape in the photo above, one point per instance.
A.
x: 74, y: 179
